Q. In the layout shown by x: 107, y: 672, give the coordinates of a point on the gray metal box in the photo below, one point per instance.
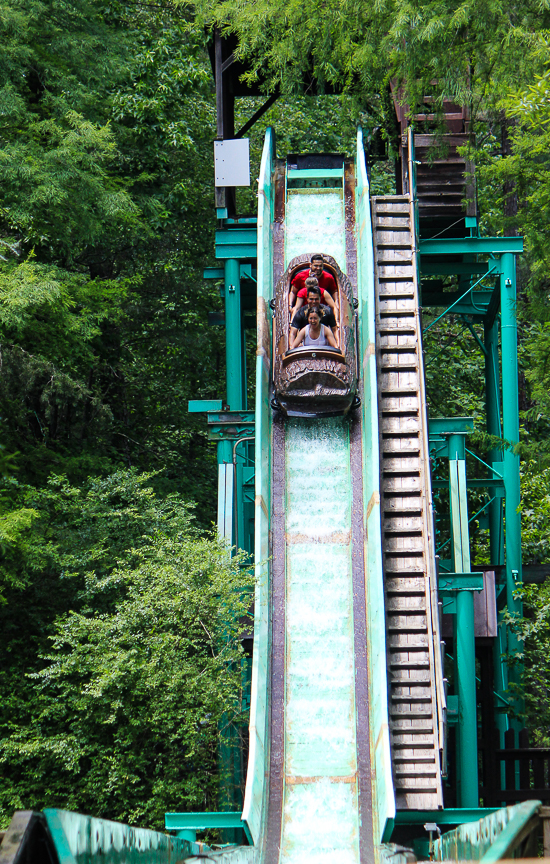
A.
x: 232, y: 162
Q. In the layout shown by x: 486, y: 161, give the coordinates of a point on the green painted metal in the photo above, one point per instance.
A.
x: 450, y: 425
x: 230, y: 418
x: 455, y: 303
x: 236, y: 242
x: 255, y: 800
x: 229, y: 431
x: 448, y: 816
x: 234, y: 355
x: 477, y: 305
x: 383, y: 810
x: 496, y: 484
x: 467, y: 775
x: 524, y: 815
x: 213, y: 273
x: 472, y: 246
x: 198, y: 406
x: 204, y: 821
x: 314, y: 173
x: 428, y: 267
x: 495, y: 509
x: 450, y: 582
x: 510, y: 427
x: 230, y: 498
x: 493, y: 838
x: 82, y: 839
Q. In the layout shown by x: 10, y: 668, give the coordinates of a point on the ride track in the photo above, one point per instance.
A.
x: 320, y: 720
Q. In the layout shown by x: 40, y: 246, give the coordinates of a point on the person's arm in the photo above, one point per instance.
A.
x: 330, y: 337
x: 292, y: 295
x: 299, y: 303
x: 335, y: 334
x: 299, y: 338
x: 292, y: 336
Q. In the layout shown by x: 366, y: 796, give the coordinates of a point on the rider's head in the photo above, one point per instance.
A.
x: 316, y: 265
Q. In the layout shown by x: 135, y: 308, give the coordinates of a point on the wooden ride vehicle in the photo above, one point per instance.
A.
x: 313, y: 381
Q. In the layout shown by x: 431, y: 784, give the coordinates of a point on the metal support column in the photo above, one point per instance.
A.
x: 510, y: 431
x: 492, y: 408
x: 465, y: 638
x: 234, y: 354
x: 510, y: 423
x: 496, y: 527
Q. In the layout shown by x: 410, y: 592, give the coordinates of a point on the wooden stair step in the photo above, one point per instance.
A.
x: 399, y: 744
x: 419, y: 712
x: 397, y: 624
x: 410, y: 585
x: 392, y: 604
x: 415, y: 755
x: 424, y: 677
x: 410, y: 699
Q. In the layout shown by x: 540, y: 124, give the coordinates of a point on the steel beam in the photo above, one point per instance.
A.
x: 496, y: 527
x: 467, y: 775
x: 453, y: 268
x: 510, y: 423
x: 448, y: 816
x: 472, y: 246
x: 510, y: 431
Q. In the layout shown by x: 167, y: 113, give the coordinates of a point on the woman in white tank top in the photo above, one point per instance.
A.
x: 315, y: 334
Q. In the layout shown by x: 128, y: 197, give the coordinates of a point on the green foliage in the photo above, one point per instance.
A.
x: 533, y: 631
x: 122, y: 717
x: 474, y: 50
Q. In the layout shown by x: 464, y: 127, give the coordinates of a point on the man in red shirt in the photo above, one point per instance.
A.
x: 326, y: 280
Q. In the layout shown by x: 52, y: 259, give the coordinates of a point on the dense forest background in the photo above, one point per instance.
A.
x: 120, y: 614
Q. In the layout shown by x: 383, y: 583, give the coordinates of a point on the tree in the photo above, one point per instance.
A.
x: 121, y: 715
x: 473, y: 50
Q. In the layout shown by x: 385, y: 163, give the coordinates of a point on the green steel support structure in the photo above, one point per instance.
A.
x: 467, y: 778
x: 502, y: 422
x: 495, y: 511
x: 510, y: 427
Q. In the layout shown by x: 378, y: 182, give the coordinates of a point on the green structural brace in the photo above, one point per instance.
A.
x: 473, y: 261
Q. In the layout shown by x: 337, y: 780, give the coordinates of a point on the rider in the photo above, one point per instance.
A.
x: 326, y: 280
x: 314, y: 334
x: 313, y: 299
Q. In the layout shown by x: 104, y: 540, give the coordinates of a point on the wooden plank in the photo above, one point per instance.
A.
x: 392, y: 269
x: 407, y: 603
x: 409, y: 623
x: 401, y: 484
x: 396, y: 543
x: 407, y: 584
x: 387, y: 234
x: 389, y: 304
x: 404, y: 676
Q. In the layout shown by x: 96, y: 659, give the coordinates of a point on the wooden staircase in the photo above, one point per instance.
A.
x: 445, y: 180
x: 416, y: 691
